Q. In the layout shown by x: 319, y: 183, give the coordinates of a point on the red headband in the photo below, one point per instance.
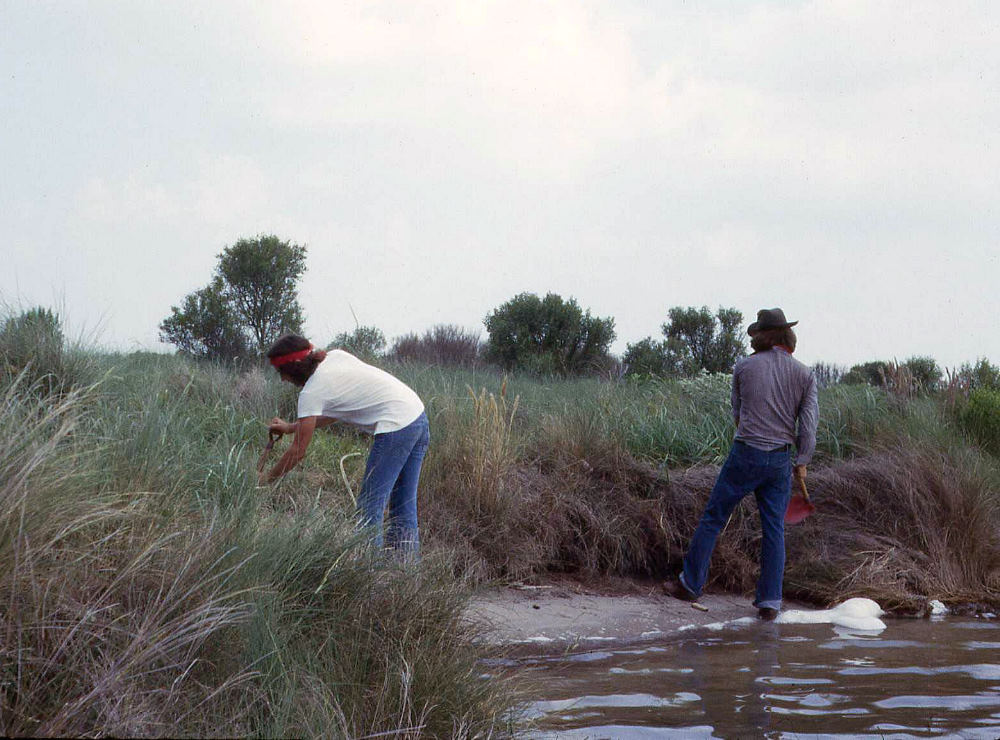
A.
x: 291, y: 357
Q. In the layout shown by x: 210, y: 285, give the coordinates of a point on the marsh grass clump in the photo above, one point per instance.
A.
x: 516, y: 499
x: 898, y: 525
x: 680, y: 422
x: 106, y: 611
x: 32, y: 342
x: 349, y: 642
x: 473, y: 493
x: 602, y: 500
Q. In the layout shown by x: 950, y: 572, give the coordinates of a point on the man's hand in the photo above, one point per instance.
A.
x: 799, y: 476
x: 280, y: 426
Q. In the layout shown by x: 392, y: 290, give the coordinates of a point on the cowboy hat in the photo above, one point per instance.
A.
x: 770, y: 318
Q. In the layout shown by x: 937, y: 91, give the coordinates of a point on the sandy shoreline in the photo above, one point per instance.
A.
x: 559, y: 616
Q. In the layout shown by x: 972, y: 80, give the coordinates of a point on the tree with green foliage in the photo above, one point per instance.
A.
x: 650, y: 357
x: 366, y: 342
x: 983, y: 374
x: 705, y: 341
x: 695, y: 339
x: 205, y: 326
x: 261, y: 278
x: 251, y: 301
x: 871, y: 373
x: 547, y: 335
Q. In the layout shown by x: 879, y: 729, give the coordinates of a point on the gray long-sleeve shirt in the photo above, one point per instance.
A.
x: 775, y: 403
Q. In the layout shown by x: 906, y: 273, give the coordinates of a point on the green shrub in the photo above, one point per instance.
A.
x: 32, y: 342
x: 981, y: 418
x: 983, y: 374
x: 925, y: 373
x: 365, y: 342
x: 34, y: 335
x: 650, y: 357
x: 547, y: 336
x: 870, y: 373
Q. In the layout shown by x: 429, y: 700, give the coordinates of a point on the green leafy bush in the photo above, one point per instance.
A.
x: 547, y: 336
x: 695, y: 340
x: 983, y: 374
x: 924, y: 372
x: 867, y: 373
x: 981, y: 418
x: 366, y: 342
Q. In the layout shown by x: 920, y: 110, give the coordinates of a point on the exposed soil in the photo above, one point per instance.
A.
x: 558, y: 615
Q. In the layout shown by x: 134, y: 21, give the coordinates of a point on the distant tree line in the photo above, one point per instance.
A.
x: 252, y: 298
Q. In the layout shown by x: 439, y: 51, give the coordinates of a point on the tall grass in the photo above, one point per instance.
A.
x: 148, y: 587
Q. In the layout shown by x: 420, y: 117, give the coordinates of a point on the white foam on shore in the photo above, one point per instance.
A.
x: 718, y: 626
x: 855, y: 614
x: 937, y: 608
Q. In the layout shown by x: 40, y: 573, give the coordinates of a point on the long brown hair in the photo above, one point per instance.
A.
x: 298, y: 371
x: 761, y: 341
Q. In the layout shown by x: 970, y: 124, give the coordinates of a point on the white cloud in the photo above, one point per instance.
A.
x: 841, y: 94
x: 539, y: 85
x: 218, y: 191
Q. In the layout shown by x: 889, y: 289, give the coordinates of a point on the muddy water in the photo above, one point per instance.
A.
x: 918, y: 678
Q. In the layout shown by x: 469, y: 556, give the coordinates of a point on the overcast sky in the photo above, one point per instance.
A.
x: 837, y: 159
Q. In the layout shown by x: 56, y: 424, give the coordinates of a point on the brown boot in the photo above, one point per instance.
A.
x: 678, y: 591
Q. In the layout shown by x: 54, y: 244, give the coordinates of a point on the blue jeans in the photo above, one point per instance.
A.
x: 769, y: 476
x: 391, y: 475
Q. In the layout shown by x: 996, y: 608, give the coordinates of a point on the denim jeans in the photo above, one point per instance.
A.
x: 391, y: 475
x: 769, y: 476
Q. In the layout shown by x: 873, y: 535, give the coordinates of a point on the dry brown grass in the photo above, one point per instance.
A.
x: 899, y: 525
x: 474, y: 497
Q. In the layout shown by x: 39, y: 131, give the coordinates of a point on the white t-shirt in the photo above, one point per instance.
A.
x: 345, y: 388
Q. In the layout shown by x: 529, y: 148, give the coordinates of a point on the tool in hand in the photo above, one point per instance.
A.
x: 799, y: 505
x: 272, y: 437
